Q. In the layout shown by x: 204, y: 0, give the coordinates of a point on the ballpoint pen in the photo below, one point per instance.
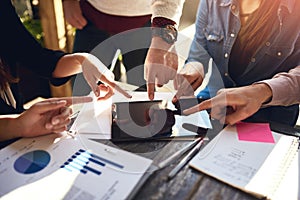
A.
x: 178, y: 154
x: 185, y: 160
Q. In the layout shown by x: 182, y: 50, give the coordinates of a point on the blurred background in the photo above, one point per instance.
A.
x: 45, y: 21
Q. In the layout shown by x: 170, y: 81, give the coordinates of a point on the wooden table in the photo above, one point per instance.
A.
x: 187, y: 184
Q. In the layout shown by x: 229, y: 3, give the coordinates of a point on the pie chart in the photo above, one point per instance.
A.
x: 32, y: 162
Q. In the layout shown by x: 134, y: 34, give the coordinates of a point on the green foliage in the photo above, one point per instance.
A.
x: 34, y: 27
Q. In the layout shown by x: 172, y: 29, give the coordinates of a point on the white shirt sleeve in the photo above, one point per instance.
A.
x: 171, y: 9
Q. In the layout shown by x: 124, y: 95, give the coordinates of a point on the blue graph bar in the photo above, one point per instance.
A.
x: 80, y: 160
x: 92, y: 170
x: 71, y: 165
x: 66, y: 167
x: 80, y: 165
x: 87, y: 157
x: 102, y: 159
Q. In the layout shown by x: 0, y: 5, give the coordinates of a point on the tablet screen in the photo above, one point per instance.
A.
x: 141, y: 120
x: 146, y: 120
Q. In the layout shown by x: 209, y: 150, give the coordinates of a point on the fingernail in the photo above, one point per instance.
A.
x: 48, y: 126
x: 55, y: 121
x: 151, y: 96
x: 96, y: 93
x: 61, y: 101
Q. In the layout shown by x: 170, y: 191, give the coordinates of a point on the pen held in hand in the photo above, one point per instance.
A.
x: 185, y: 160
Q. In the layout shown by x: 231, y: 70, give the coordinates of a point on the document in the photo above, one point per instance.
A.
x: 58, y: 166
x: 249, y: 156
x: 289, y: 187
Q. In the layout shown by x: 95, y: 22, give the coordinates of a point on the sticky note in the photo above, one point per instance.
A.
x: 254, y: 132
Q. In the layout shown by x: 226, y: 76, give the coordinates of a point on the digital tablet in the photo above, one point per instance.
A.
x: 150, y: 120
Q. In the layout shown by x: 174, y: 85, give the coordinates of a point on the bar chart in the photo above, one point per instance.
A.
x: 85, y: 162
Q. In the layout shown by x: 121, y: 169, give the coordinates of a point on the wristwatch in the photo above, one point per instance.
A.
x: 168, y: 33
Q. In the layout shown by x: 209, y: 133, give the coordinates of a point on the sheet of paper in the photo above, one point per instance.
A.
x: 94, y: 120
x: 142, y: 96
x: 61, y: 167
x: 253, y: 166
x: 290, y: 184
x: 200, y: 119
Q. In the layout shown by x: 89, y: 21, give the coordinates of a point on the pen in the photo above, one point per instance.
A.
x: 185, y: 160
x: 114, y: 60
x: 113, y: 63
x: 178, y: 154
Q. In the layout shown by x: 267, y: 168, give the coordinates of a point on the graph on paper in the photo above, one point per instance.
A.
x: 32, y: 162
x: 88, y: 162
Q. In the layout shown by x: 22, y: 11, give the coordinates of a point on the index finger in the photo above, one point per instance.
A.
x: 77, y: 100
x: 150, y: 85
x: 202, y: 106
x: 115, y: 86
x: 150, y: 89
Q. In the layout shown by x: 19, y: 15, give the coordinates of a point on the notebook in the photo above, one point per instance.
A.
x: 249, y: 156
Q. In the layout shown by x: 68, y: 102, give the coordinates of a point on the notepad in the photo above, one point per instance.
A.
x: 256, y: 163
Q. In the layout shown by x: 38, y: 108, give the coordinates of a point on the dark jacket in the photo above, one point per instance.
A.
x: 18, y: 47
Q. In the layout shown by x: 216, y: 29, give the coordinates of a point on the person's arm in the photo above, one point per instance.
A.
x: 198, y: 50
x: 235, y: 104
x: 285, y: 87
x: 192, y: 73
x: 17, y: 44
x: 73, y: 14
x: 162, y: 61
x: 50, y: 116
x: 93, y: 70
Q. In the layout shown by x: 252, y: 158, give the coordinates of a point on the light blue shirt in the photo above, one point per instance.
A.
x: 217, y: 26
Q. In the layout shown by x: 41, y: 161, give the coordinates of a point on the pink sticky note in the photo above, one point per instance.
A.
x: 255, y: 132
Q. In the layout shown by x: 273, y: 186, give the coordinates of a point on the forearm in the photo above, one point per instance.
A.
x: 285, y: 88
x: 262, y: 92
x: 10, y: 128
x: 69, y: 65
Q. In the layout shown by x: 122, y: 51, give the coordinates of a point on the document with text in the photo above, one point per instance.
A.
x: 248, y: 156
x: 58, y: 166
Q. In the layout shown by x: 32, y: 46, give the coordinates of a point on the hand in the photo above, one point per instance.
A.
x: 160, y: 65
x: 73, y: 14
x: 93, y: 71
x: 188, y: 80
x: 242, y: 103
x: 50, y: 116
